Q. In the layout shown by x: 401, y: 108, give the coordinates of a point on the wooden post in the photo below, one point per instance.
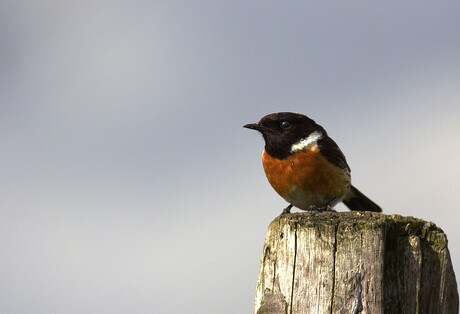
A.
x: 355, y: 262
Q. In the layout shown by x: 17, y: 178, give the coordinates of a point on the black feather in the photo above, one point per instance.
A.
x: 355, y: 200
x: 331, y: 151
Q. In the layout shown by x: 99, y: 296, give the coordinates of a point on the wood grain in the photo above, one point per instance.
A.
x: 355, y: 262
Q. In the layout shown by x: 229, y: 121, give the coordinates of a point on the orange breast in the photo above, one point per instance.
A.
x: 308, y: 172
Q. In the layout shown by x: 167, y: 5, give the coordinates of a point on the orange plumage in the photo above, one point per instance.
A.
x: 306, y: 171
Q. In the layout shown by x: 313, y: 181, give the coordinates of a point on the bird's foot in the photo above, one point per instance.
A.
x: 287, y: 210
x: 319, y: 209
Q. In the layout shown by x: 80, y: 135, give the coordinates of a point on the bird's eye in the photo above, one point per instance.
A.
x: 285, y: 125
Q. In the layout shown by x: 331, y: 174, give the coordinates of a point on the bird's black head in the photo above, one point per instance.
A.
x: 282, y: 130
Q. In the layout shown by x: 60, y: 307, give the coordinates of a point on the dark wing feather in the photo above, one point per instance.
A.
x: 355, y: 200
x: 331, y: 151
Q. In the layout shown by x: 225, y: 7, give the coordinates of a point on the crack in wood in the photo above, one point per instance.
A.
x: 294, y: 266
x: 336, y: 228
x: 358, y: 307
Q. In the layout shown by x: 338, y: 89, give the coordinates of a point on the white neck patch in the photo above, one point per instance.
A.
x: 310, y: 141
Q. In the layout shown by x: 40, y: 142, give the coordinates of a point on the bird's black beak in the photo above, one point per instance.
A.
x: 255, y: 126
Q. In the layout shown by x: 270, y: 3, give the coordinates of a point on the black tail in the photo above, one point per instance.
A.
x: 355, y: 200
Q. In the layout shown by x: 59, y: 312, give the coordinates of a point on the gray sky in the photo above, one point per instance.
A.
x: 128, y: 183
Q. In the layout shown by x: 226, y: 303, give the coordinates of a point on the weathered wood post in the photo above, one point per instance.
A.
x: 355, y: 262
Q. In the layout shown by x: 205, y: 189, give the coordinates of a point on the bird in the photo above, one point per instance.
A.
x: 305, y: 166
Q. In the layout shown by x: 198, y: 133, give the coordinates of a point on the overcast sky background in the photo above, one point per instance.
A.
x: 128, y: 184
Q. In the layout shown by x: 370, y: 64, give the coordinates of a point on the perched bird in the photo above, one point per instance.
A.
x: 305, y: 166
